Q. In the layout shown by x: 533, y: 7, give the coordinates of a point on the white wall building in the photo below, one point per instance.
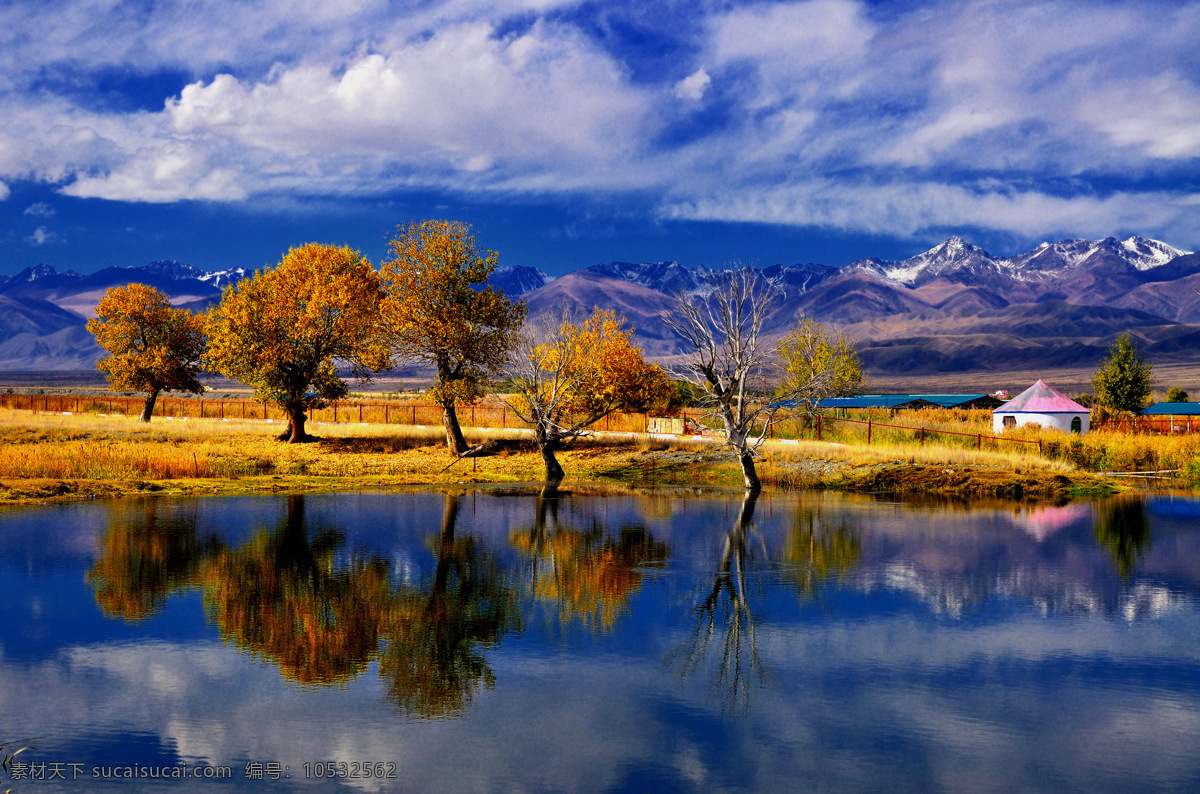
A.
x: 1042, y: 405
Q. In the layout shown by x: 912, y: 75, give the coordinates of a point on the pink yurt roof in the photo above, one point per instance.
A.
x: 1041, y: 399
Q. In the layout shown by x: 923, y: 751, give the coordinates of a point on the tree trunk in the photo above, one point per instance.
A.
x: 454, y: 437
x: 749, y: 473
x: 148, y: 408
x: 554, y: 472
x: 295, y: 429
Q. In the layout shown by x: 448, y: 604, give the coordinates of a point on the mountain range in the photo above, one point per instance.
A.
x: 953, y: 308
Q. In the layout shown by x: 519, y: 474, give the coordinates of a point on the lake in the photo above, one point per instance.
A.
x: 670, y: 640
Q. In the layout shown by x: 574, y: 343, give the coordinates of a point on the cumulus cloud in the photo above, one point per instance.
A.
x: 42, y: 236
x: 992, y: 113
x: 5, y: 191
x: 693, y: 86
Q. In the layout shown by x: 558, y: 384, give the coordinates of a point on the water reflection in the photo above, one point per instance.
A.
x: 291, y: 596
x: 840, y: 641
x: 141, y: 562
x: 1121, y: 529
x: 437, y: 631
x: 732, y: 660
x: 577, y: 567
x: 818, y: 552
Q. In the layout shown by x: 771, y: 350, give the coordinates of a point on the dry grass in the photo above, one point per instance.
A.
x: 48, y: 455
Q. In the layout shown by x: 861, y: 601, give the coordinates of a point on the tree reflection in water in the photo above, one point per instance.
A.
x: 817, y: 554
x: 1121, y: 529
x: 290, y: 597
x: 813, y: 554
x: 280, y: 597
x: 141, y: 563
x: 436, y: 631
x: 725, y: 610
x: 285, y: 597
x: 586, y: 574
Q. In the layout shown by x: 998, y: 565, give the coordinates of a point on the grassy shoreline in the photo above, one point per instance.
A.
x: 53, y: 457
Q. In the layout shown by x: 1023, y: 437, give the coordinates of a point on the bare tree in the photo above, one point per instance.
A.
x: 729, y: 352
x: 726, y: 347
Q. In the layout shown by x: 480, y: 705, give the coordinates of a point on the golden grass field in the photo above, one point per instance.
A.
x: 52, y: 456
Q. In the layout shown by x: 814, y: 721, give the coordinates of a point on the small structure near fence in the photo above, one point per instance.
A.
x: 1044, y: 406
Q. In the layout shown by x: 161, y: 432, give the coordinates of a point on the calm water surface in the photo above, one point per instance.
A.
x: 496, y: 640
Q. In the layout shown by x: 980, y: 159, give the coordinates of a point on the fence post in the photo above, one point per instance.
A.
x: 868, y: 431
x: 922, y: 436
x: 414, y: 414
x: 818, y: 427
x: 978, y: 441
x: 360, y: 413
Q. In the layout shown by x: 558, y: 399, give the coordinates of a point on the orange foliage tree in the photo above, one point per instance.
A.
x: 436, y: 314
x: 283, y: 330
x: 151, y: 347
x: 569, y: 373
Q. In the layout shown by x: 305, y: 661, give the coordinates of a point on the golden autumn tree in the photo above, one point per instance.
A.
x: 817, y: 364
x: 151, y: 346
x: 570, y: 373
x: 437, y: 313
x: 285, y: 330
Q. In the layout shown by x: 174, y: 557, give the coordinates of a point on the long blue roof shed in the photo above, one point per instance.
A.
x: 1172, y: 409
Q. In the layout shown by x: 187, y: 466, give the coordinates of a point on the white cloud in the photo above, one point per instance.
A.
x: 39, y: 210
x: 42, y: 236
x: 461, y: 108
x: 829, y: 112
x: 693, y: 86
x: 909, y: 209
x: 4, y: 191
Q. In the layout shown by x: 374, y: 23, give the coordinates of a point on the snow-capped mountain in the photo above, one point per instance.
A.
x: 1140, y: 253
x: 956, y: 254
x: 223, y: 278
x: 965, y: 263
x: 37, y: 273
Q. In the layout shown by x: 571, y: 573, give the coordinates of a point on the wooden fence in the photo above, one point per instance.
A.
x: 393, y: 412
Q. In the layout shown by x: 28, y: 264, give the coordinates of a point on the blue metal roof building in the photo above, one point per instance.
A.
x: 1172, y: 409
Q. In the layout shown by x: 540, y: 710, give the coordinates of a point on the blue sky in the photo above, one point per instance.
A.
x: 571, y: 133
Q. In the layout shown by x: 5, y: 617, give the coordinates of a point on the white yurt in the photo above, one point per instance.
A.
x: 1045, y: 406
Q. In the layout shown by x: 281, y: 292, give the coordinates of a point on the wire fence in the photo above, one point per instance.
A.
x: 820, y: 427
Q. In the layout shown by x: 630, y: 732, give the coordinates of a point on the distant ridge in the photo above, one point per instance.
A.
x: 952, y: 308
